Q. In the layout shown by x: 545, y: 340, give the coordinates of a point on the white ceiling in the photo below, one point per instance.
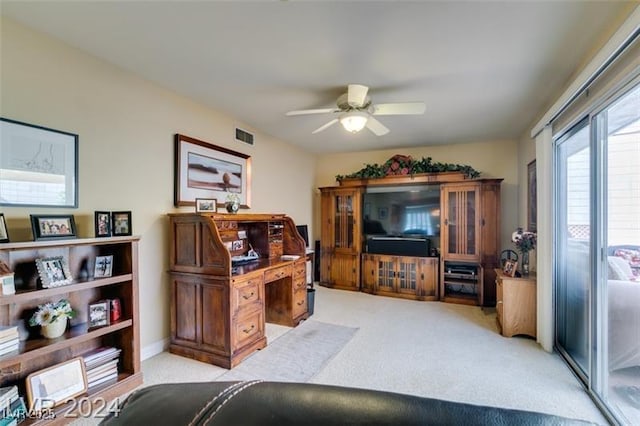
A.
x: 485, y: 69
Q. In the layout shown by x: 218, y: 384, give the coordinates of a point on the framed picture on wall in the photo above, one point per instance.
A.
x: 207, y: 171
x: 532, y: 197
x: 44, y: 166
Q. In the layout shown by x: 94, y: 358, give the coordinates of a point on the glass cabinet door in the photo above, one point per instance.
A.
x: 345, y: 221
x: 461, y: 222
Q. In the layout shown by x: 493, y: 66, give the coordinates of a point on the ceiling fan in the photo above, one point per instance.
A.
x: 355, y: 111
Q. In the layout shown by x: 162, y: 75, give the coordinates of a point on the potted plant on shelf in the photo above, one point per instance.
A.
x: 52, y: 317
x: 525, y: 241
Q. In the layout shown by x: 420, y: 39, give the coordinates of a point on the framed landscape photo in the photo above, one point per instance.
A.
x: 203, y: 170
x: 206, y: 205
x: 53, y: 271
x: 38, y: 166
x: 121, y: 222
x: 104, y: 266
x: 55, y: 385
x: 4, y: 234
x: 102, y: 224
x: 52, y: 226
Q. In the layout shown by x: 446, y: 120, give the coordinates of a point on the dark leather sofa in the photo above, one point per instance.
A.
x: 274, y: 403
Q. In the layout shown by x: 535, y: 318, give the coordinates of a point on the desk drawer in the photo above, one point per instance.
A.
x: 299, y: 283
x: 247, y: 294
x: 299, y: 303
x: 299, y: 269
x: 277, y: 273
x: 248, y: 329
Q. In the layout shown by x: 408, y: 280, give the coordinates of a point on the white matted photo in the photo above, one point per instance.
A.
x: 99, y: 314
x: 54, y: 385
x: 104, y: 266
x: 206, y: 205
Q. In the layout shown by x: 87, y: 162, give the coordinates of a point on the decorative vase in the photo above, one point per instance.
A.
x: 232, y: 206
x: 55, y: 329
x: 525, y: 263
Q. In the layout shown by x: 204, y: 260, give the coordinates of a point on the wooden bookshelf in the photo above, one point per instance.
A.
x: 37, y: 353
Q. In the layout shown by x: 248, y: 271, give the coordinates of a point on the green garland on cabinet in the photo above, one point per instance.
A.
x: 400, y: 165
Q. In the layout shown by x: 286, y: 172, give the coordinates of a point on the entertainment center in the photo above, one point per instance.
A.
x: 430, y: 236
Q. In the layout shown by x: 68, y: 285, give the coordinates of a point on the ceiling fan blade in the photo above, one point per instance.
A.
x: 329, y: 124
x: 356, y: 95
x: 376, y: 127
x: 310, y: 111
x: 409, y: 108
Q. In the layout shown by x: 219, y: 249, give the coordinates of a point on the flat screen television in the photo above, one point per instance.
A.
x: 407, y: 211
x: 303, y: 230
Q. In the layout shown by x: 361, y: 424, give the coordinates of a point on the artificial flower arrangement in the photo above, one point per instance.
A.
x: 50, y: 312
x: 525, y: 241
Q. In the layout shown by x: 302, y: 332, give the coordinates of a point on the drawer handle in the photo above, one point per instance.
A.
x: 499, y: 302
x: 245, y: 297
x: 249, y: 330
x: 300, y: 303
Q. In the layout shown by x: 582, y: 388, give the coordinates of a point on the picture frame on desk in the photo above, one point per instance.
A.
x: 204, y: 170
x: 39, y: 154
x: 510, y: 267
x: 53, y: 271
x: 53, y: 226
x: 55, y: 385
x: 206, y: 205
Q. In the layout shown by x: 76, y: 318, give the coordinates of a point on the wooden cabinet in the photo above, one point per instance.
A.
x: 36, y: 352
x: 516, y: 304
x: 341, y: 238
x: 218, y: 310
x: 470, y: 231
x: 400, y: 276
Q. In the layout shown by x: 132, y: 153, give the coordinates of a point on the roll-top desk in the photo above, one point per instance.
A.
x: 219, y: 309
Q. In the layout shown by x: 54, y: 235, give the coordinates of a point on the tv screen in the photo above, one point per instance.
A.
x: 402, y: 211
x: 303, y: 230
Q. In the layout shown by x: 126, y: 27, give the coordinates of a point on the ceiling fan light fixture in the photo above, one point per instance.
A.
x: 354, y: 121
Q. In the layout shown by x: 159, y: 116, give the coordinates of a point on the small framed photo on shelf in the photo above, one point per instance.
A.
x: 103, y: 224
x: 53, y: 271
x: 510, y: 267
x: 53, y: 226
x: 206, y: 205
x: 4, y: 234
x: 99, y: 314
x: 55, y: 385
x: 121, y: 223
x: 104, y: 266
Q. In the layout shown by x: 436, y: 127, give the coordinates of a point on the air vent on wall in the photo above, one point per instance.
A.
x: 243, y: 136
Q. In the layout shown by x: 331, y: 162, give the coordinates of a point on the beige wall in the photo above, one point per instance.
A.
x: 497, y: 159
x: 126, y: 127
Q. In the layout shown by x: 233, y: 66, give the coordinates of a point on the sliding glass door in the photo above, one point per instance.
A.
x: 573, y: 221
x: 597, y: 262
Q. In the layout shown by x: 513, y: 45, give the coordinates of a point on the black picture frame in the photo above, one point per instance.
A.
x: 102, y: 221
x: 49, y: 152
x: 99, y: 314
x: 121, y: 223
x: 4, y: 231
x: 53, y: 226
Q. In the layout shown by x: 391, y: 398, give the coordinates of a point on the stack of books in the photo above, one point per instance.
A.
x: 9, y: 340
x: 12, y: 408
x: 101, y: 366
